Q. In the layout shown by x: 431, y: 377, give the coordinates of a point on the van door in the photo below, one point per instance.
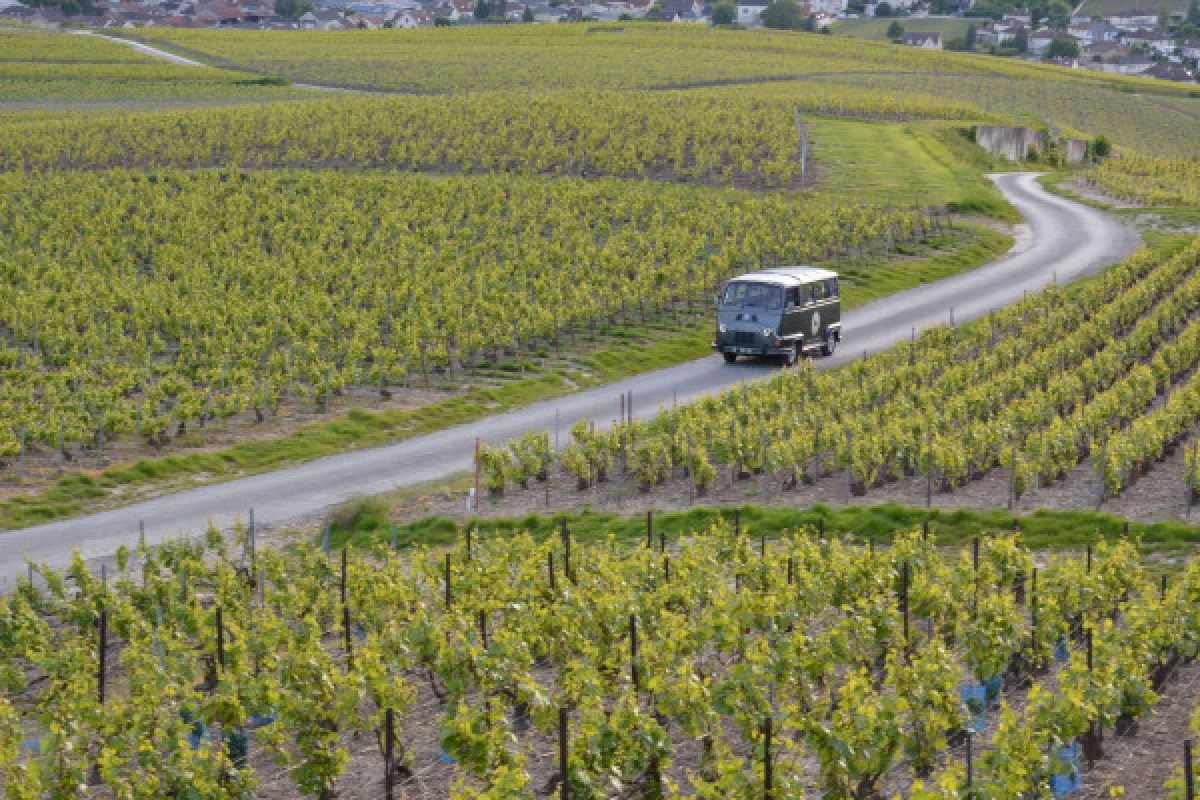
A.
x: 832, y: 311
x: 810, y: 317
x: 793, y: 308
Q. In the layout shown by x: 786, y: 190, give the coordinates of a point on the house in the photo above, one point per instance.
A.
x: 456, y: 9
x: 679, y: 10
x: 1041, y: 39
x: 748, y: 11
x: 927, y: 41
x: 1169, y: 72
x: 1190, y: 49
x: 1134, y: 19
x: 1151, y: 41
x: 322, y: 21
x: 413, y: 18
x: 831, y: 8
x: 37, y: 17
x: 1124, y: 65
x: 1098, y: 32
x: 1098, y: 51
x: 1019, y: 18
x: 1003, y: 32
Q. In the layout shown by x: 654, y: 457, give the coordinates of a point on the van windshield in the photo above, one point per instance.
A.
x: 753, y: 295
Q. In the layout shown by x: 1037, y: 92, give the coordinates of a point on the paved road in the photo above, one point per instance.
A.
x: 1061, y: 240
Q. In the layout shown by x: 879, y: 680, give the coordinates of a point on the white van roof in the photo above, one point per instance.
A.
x: 787, y: 276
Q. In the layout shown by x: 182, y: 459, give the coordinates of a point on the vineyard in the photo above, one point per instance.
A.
x: 55, y: 71
x: 718, y: 664
x: 1105, y: 369
x: 626, y: 56
x: 718, y: 137
x: 139, y: 304
x: 1149, y: 181
x: 812, y: 72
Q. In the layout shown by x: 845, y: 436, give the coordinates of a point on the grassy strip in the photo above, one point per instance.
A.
x: 76, y: 494
x: 365, y: 522
x: 921, y: 160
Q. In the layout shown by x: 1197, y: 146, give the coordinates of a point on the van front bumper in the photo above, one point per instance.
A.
x: 765, y: 349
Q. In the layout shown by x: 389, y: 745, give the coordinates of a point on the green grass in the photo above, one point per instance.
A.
x: 876, y: 29
x: 77, y: 494
x: 905, y: 161
x: 366, y: 523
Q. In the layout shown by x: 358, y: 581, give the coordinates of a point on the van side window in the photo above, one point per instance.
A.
x: 833, y: 287
x: 819, y: 292
x: 810, y: 294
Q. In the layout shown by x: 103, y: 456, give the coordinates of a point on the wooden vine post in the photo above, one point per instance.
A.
x: 768, y: 776
x: 102, y: 625
x: 220, y: 638
x: 389, y: 754
x: 633, y: 652
x: 1189, y: 786
x: 566, y: 543
x: 564, y: 780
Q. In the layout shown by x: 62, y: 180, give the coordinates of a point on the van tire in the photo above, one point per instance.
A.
x: 830, y: 343
x: 730, y: 357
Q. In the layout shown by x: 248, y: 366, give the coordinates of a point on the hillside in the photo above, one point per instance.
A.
x: 227, y: 288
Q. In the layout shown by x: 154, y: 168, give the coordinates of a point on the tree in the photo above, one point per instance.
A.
x: 1193, y: 14
x: 1101, y: 146
x: 68, y: 7
x: 1164, y: 18
x: 1021, y: 40
x: 784, y: 15
x: 1062, y: 47
x: 884, y: 9
x: 443, y: 22
x: 1058, y: 13
x: 292, y: 9
x: 895, y: 31
x: 972, y: 36
x: 482, y: 10
x: 724, y: 14
x: 527, y: 14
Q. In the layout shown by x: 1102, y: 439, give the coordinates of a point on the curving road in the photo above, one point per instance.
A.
x: 1060, y: 240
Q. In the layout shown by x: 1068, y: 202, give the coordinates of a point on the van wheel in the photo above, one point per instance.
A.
x: 830, y: 343
x: 791, y: 356
x: 730, y: 357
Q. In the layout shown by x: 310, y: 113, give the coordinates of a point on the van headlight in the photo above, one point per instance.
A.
x: 722, y: 328
x: 767, y: 332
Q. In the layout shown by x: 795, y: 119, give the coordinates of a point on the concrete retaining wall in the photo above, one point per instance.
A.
x: 1075, y: 151
x: 1012, y: 143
